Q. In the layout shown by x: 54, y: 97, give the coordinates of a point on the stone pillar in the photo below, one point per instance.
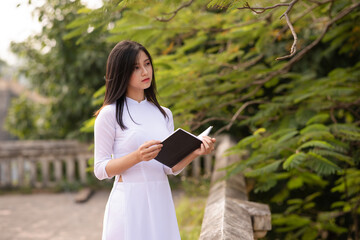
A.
x: 58, y: 170
x: 45, y: 171
x: 33, y: 172
x: 21, y: 172
x: 6, y: 171
x: 228, y: 213
x: 208, y: 164
x: 82, y: 163
x: 196, y: 167
x: 70, y: 169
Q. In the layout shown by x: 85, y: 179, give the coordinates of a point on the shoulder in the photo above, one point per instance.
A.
x: 168, y: 111
x: 107, y: 113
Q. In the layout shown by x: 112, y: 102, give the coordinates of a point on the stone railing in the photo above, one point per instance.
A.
x: 200, y: 167
x: 228, y: 213
x: 47, y: 163
x: 42, y: 163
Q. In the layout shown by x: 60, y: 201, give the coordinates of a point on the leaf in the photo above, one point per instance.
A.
x: 259, y: 131
x: 76, y: 32
x: 316, y: 143
x: 88, y: 126
x: 310, y: 234
x: 293, y: 221
x: 287, y: 136
x: 265, y: 186
x: 321, y: 165
x: 335, y: 155
x: 272, y: 167
x: 295, y: 183
x: 339, y: 204
x: 314, y: 128
x: 246, y: 141
x: 294, y: 160
x: 219, y: 3
x: 297, y: 201
x: 312, y: 196
x: 319, y: 118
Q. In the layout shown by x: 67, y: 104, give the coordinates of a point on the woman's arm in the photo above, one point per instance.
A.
x: 104, y: 138
x: 145, y: 152
x: 206, y: 147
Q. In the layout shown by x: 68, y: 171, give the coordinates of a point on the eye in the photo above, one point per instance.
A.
x: 148, y: 63
x: 136, y: 67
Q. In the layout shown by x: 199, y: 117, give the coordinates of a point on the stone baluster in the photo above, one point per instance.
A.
x: 70, y: 169
x: 208, y: 164
x: 82, y: 163
x: 6, y: 171
x: 45, y: 171
x: 21, y: 172
x: 196, y: 167
x: 33, y: 172
x: 58, y: 170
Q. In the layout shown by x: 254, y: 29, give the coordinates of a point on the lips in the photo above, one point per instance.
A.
x: 146, y: 80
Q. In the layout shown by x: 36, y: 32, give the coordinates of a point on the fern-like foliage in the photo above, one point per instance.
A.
x: 294, y: 160
x: 321, y: 165
x: 316, y: 143
x: 268, y: 168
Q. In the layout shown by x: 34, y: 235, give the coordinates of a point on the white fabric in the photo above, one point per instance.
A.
x: 140, y: 207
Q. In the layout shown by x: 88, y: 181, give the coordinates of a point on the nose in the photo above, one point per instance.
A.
x: 144, y: 72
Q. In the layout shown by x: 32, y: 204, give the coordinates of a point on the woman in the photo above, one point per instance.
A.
x: 128, y: 129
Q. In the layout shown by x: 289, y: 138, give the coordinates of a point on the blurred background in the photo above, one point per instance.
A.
x: 281, y: 78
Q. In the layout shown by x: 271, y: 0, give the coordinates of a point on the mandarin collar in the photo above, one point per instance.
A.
x: 133, y: 101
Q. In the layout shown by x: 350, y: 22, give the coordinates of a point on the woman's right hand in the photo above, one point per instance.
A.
x: 149, y: 150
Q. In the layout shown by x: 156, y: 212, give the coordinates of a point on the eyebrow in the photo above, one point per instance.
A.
x: 137, y: 63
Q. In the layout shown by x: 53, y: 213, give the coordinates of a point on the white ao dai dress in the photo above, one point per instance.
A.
x: 141, y: 207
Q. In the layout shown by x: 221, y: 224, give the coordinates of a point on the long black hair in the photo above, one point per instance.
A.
x: 119, y: 68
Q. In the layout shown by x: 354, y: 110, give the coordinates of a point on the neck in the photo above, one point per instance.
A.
x: 137, y: 96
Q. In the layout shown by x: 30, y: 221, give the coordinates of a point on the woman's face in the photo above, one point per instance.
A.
x: 142, y: 75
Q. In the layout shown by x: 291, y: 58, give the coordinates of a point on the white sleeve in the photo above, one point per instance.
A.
x: 104, y: 136
x: 170, y: 126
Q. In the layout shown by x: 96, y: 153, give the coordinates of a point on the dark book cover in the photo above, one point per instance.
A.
x: 177, y: 146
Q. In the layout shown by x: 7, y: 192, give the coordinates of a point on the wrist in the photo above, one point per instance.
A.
x: 137, y: 156
x: 195, y: 154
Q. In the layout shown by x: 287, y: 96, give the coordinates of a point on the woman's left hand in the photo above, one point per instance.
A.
x: 206, y: 147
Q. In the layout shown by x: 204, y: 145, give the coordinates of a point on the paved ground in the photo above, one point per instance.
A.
x: 52, y: 216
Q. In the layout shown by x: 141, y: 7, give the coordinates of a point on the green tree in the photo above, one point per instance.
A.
x: 298, y: 119
x: 66, y: 70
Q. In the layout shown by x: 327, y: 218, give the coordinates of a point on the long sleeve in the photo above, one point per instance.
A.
x: 104, y: 135
x: 170, y: 126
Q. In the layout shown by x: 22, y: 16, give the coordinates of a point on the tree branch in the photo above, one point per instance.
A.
x: 247, y: 6
x: 244, y: 65
x: 295, y: 59
x: 298, y: 57
x: 293, y: 47
x: 310, y: 9
x: 175, y: 12
x: 199, y: 124
x: 286, y: 14
x: 234, y: 117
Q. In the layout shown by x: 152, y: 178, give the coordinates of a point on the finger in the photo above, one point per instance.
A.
x: 150, y: 143
x: 151, y: 155
x: 202, y: 148
x: 206, y: 137
x: 153, y: 148
x: 207, y: 142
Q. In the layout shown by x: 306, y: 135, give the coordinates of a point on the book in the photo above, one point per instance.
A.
x: 178, y: 145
